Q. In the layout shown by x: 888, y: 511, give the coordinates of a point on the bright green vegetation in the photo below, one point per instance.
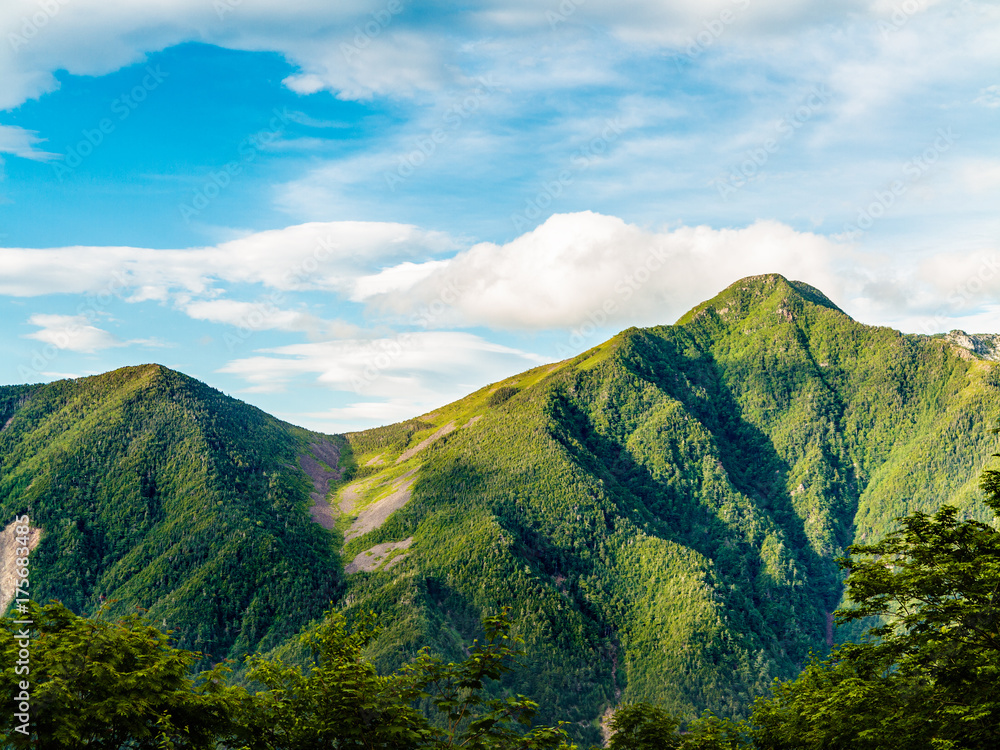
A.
x: 927, y: 678
x: 159, y: 492
x: 94, y: 683
x: 662, y: 514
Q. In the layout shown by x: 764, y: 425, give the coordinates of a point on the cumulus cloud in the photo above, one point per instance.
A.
x: 578, y: 267
x: 572, y: 269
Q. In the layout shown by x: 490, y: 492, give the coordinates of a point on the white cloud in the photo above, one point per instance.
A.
x: 397, y: 377
x: 989, y: 97
x: 413, y: 364
x: 400, y: 277
x: 324, y: 256
x: 979, y: 176
x: 73, y: 333
x: 265, y: 315
x: 23, y: 143
x: 76, y: 333
x: 364, y: 48
x: 262, y: 315
x: 576, y: 267
x: 573, y: 269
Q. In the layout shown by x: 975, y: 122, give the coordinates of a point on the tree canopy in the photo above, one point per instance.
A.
x: 928, y: 675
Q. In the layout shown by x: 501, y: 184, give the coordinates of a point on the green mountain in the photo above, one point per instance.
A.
x: 662, y: 512
x: 159, y: 492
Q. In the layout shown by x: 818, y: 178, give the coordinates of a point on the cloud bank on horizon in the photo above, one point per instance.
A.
x: 355, y: 212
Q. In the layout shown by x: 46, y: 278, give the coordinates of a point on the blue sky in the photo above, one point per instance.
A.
x: 350, y: 215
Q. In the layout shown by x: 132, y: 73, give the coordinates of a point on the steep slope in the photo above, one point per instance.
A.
x: 663, y: 512
x: 159, y: 492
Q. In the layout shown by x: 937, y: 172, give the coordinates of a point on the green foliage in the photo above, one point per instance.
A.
x: 500, y: 395
x: 158, y: 492
x: 391, y: 438
x: 663, y: 513
x: 928, y: 676
x: 94, y: 683
x: 342, y: 701
x: 644, y: 726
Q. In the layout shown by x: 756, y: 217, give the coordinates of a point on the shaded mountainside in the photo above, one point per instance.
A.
x: 661, y: 512
x: 664, y: 510
x: 154, y: 489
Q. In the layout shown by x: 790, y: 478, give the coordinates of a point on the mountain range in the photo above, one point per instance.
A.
x: 663, y: 512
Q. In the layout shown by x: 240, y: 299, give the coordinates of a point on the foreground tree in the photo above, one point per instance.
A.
x: 342, y: 702
x: 930, y: 675
x: 644, y: 726
x: 91, y: 683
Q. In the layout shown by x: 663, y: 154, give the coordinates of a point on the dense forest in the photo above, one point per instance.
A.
x: 925, y: 678
x: 661, y: 516
x: 158, y: 492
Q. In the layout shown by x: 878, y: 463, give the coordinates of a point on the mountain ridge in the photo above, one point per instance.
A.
x: 662, y: 512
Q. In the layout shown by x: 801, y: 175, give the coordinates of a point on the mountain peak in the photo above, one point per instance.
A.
x: 756, y: 292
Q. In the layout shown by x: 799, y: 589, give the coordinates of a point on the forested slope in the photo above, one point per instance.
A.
x: 662, y: 512
x: 157, y: 491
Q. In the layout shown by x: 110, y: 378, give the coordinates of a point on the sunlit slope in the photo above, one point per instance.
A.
x: 663, y: 512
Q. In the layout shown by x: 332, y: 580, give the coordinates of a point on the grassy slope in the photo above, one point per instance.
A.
x: 663, y: 512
